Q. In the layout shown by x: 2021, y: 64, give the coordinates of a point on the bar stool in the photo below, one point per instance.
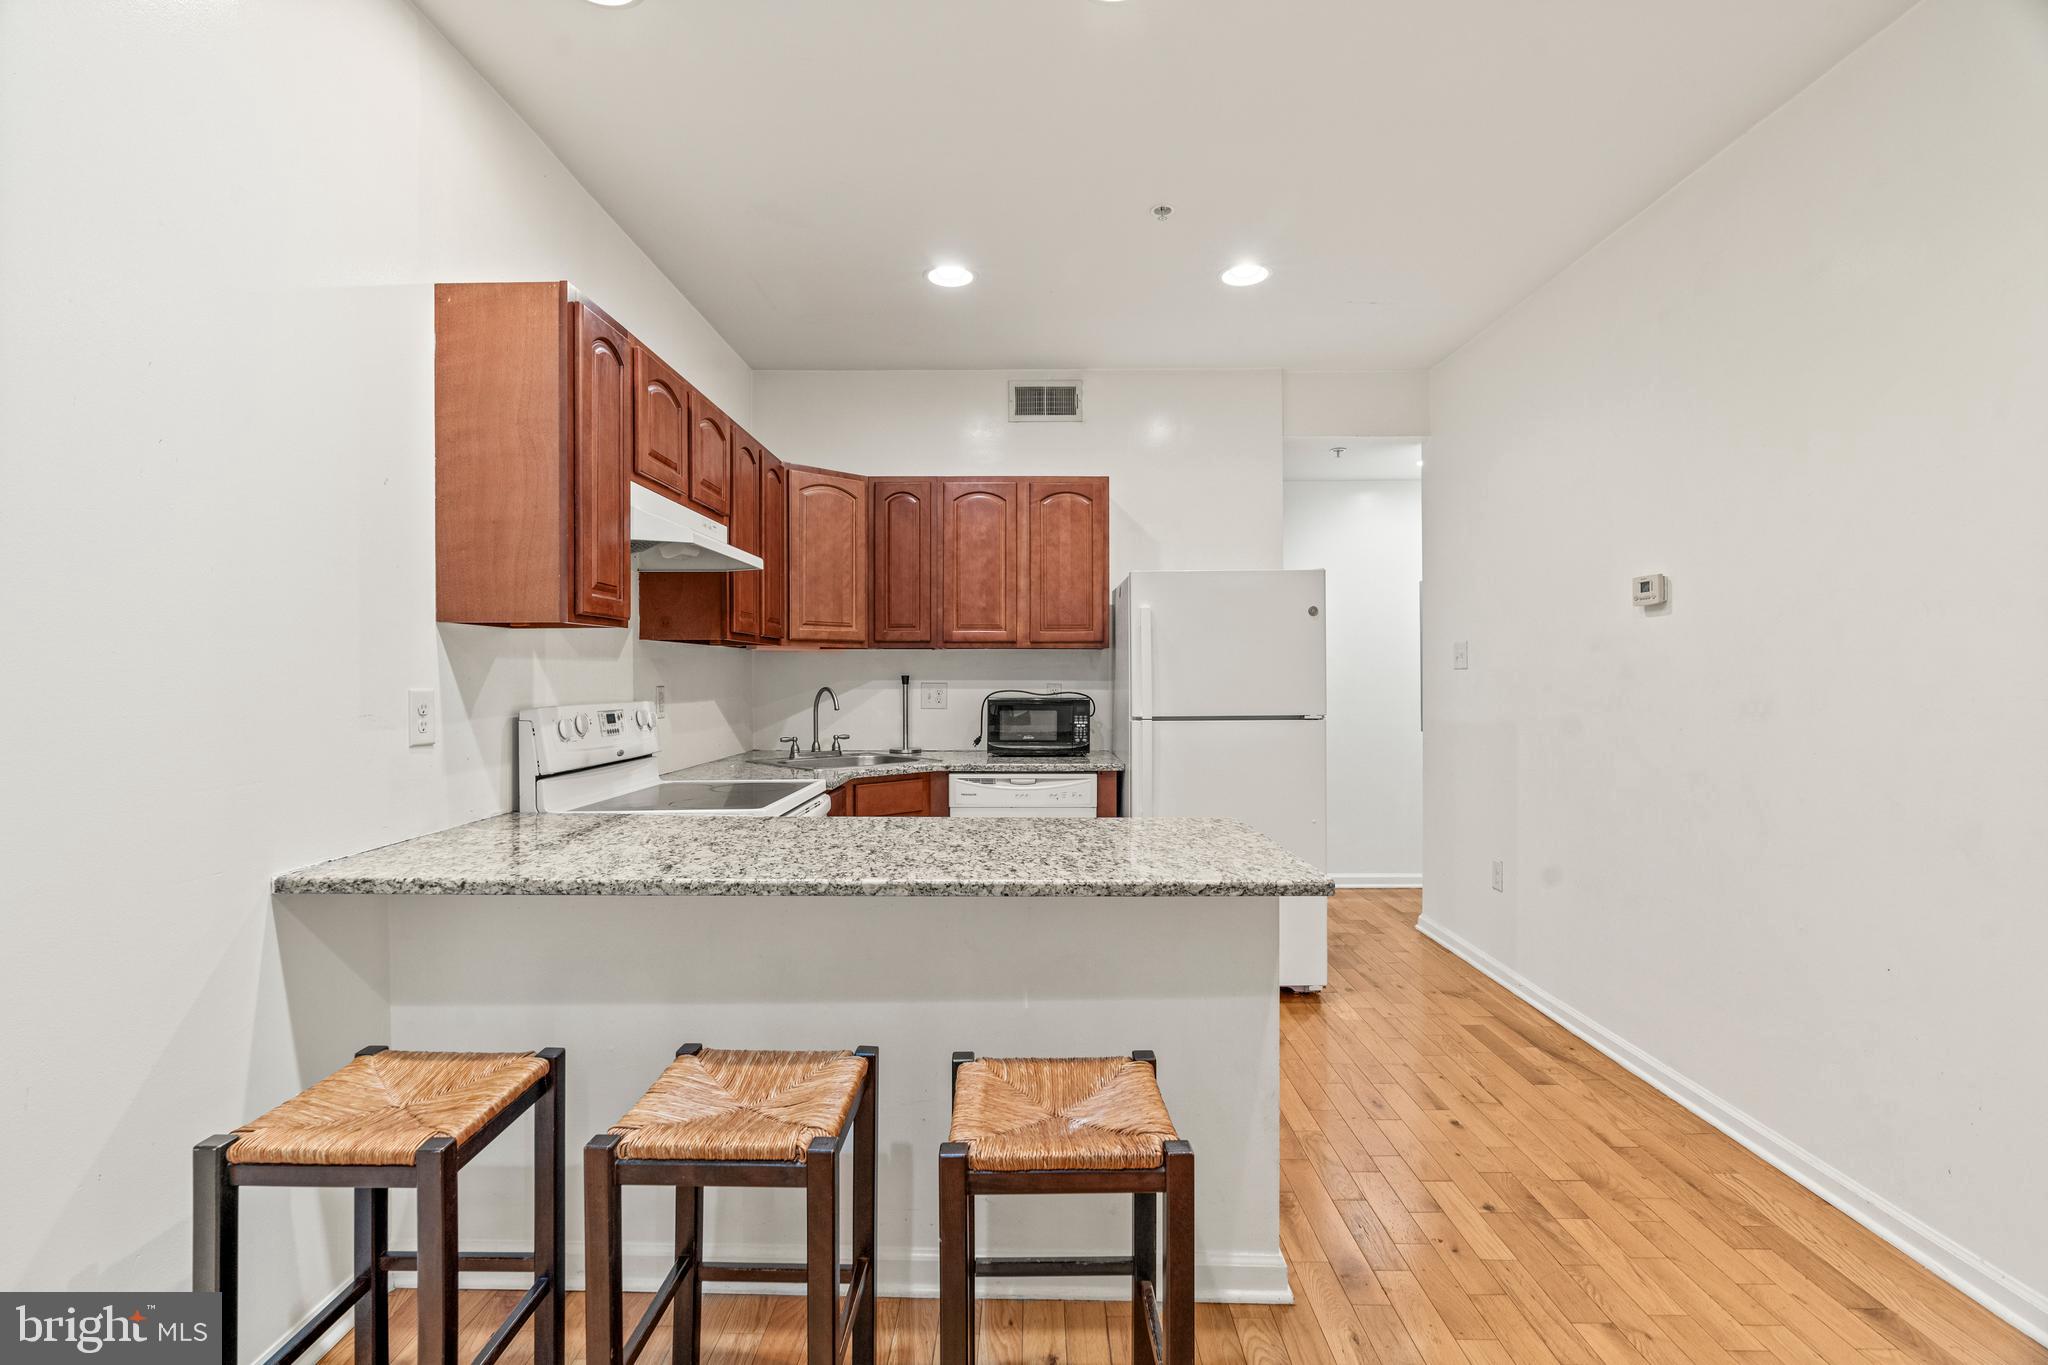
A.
x: 394, y: 1120
x: 733, y: 1118
x: 1071, y: 1125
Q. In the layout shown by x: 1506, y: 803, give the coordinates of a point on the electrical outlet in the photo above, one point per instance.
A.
x: 1461, y: 654
x: 422, y: 718
x: 661, y: 701
x: 1500, y: 875
x: 1055, y: 687
x: 931, y: 696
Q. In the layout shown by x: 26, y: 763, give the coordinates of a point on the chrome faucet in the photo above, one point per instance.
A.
x: 823, y: 693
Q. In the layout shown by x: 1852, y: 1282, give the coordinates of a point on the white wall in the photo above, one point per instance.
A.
x: 1785, y: 839
x: 1322, y: 403
x: 1193, y: 460
x: 219, y: 226
x: 1367, y: 534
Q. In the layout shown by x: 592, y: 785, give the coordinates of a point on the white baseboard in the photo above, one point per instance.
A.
x: 1378, y: 881
x: 2019, y: 1304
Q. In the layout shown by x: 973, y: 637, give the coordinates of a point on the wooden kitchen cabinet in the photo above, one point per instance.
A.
x: 828, y: 557
x: 774, y: 548
x: 533, y: 457
x: 903, y: 549
x: 743, y: 597
x: 1064, y: 540
x: 979, y: 594
x: 710, y: 458
x: 661, y: 426
x: 900, y: 794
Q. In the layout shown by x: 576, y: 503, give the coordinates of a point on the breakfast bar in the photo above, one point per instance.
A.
x: 620, y: 938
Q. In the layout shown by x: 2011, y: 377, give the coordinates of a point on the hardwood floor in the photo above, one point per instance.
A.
x: 1464, y: 1182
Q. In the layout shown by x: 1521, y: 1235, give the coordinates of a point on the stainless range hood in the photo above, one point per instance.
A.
x: 670, y: 538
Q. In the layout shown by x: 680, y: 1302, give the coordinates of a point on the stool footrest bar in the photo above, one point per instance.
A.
x: 330, y: 1313
x: 662, y: 1298
x: 763, y: 1272
x: 1022, y: 1267
x: 521, y: 1261
x: 863, y: 1283
x: 514, y: 1320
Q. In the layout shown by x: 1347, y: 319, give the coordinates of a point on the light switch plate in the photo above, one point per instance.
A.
x: 1461, y: 654
x: 1500, y: 875
x: 422, y: 718
x: 931, y: 696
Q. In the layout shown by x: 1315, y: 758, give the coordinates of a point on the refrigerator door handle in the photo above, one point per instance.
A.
x: 1141, y: 667
x: 1141, y: 768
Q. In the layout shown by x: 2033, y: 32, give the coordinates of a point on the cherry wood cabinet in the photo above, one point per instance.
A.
x: 774, y: 548
x: 1064, y: 540
x: 900, y: 794
x: 828, y: 557
x: 904, y: 549
x: 744, y: 589
x: 533, y: 453
x: 661, y: 425
x: 979, y: 594
x: 710, y: 457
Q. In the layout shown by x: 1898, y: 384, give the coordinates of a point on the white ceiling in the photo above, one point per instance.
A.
x: 1407, y: 168
x: 1364, y: 457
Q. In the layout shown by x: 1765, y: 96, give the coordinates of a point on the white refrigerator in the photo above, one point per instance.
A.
x: 1220, y: 690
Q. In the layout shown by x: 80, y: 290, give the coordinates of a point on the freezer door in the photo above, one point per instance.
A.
x: 1227, y: 644
x: 1268, y: 773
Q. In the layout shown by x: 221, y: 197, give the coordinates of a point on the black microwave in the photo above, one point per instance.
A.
x: 1037, y: 724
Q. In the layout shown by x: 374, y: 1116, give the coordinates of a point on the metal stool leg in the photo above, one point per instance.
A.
x: 864, y: 1214
x: 1178, y: 1310
x: 373, y: 1310
x: 956, y: 1257
x: 821, y: 1253
x: 216, y: 1232
x: 440, y: 1259
x: 604, y: 1340
x: 550, y: 1237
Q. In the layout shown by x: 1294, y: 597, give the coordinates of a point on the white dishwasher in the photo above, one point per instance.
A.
x: 1057, y: 795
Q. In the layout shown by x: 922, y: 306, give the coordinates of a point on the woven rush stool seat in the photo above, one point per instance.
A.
x: 1069, y: 1125
x: 730, y: 1105
x: 718, y: 1118
x: 1060, y: 1113
x: 380, y: 1108
x: 395, y: 1121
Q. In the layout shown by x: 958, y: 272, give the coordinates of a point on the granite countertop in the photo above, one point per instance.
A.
x: 758, y: 763
x: 681, y: 855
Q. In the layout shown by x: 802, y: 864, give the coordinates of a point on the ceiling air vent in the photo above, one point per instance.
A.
x: 1045, y: 402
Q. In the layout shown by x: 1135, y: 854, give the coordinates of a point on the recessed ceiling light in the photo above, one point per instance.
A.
x: 1244, y: 273
x: 949, y: 276
x: 614, y: 4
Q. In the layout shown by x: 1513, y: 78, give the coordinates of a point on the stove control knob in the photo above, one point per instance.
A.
x: 566, y: 729
x: 582, y: 726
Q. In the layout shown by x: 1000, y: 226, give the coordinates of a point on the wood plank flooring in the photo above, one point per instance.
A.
x: 1463, y: 1183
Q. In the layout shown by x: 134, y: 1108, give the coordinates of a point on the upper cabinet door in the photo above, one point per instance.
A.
x: 661, y: 424
x: 905, y: 547
x: 710, y: 456
x: 746, y: 531
x: 978, y: 554
x: 603, y: 588
x: 828, y: 557
x: 1066, y: 562
x: 774, y: 548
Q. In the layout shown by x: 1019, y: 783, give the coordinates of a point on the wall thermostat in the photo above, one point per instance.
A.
x: 1650, y: 589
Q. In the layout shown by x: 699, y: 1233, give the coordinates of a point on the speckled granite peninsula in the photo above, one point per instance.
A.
x: 637, y: 855
x: 619, y: 937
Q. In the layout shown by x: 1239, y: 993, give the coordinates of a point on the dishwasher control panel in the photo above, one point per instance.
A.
x: 1070, y: 795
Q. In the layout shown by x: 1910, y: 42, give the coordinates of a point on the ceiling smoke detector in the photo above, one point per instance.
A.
x: 1162, y: 211
x: 1338, y: 451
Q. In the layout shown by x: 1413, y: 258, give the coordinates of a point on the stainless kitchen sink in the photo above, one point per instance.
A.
x: 807, y: 762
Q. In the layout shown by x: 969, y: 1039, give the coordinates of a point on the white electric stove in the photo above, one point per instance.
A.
x: 600, y: 760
